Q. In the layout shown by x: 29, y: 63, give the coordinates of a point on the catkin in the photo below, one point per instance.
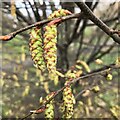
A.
x: 67, y: 107
x: 49, y: 108
x: 36, y: 48
x: 68, y: 102
x: 50, y: 40
x: 50, y: 49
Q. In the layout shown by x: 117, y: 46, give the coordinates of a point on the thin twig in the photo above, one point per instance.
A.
x: 40, y: 23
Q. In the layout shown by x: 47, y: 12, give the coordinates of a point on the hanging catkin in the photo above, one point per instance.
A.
x: 36, y: 48
x: 13, y: 8
x: 67, y: 107
x: 49, y: 108
x: 50, y: 40
x: 68, y: 102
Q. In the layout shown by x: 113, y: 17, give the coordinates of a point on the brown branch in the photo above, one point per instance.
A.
x: 86, y: 11
x: 93, y: 73
x: 40, y: 23
x: 89, y: 14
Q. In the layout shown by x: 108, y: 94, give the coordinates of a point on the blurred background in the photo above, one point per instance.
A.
x: 78, y: 39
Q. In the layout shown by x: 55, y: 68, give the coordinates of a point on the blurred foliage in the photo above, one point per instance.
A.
x: 23, y: 85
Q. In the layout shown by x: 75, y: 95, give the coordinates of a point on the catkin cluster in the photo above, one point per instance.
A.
x: 44, y: 54
x: 44, y: 50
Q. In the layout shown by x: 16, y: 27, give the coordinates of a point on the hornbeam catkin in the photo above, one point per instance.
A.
x: 67, y: 106
x: 49, y: 108
x: 50, y: 40
x: 68, y: 98
x: 68, y: 102
x: 36, y: 48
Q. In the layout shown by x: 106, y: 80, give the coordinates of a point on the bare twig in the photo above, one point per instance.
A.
x: 40, y: 23
x: 89, y: 14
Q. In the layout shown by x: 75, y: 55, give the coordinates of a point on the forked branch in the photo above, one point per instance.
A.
x: 89, y: 14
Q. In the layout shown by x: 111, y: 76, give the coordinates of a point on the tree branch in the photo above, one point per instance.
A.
x: 89, y: 14
x: 93, y: 73
x: 40, y: 23
x: 86, y: 11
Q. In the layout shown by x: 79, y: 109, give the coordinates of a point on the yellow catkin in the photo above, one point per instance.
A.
x: 50, y: 40
x: 67, y: 107
x: 49, y: 108
x: 36, y: 48
x: 84, y: 64
x: 13, y: 8
x: 68, y: 102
